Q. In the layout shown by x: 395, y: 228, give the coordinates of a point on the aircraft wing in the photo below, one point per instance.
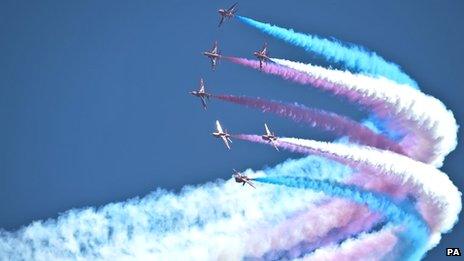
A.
x: 213, y: 62
x: 202, y: 85
x: 215, y: 48
x: 226, y: 142
x: 249, y: 183
x: 264, y: 51
x: 232, y: 8
x: 275, y: 145
x: 268, y: 132
x: 218, y: 127
x: 221, y: 21
x: 203, y: 102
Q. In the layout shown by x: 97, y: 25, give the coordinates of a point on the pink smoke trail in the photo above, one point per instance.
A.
x: 355, y: 225
x: 438, y: 208
x: 376, y: 246
x: 295, y: 148
x: 328, y: 223
x: 430, y: 127
x: 303, y: 78
x: 331, y: 122
x: 418, y: 141
x: 362, y: 178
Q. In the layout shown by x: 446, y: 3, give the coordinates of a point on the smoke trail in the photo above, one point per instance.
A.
x: 312, y: 229
x: 331, y: 122
x: 420, y: 178
x: 351, y: 56
x: 378, y: 246
x: 146, y: 228
x: 440, y: 205
x: 204, y: 221
x: 416, y: 229
x: 221, y: 220
x: 304, y: 78
x: 429, y: 130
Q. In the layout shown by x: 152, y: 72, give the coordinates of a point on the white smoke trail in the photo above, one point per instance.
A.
x: 418, y: 114
x: 430, y: 185
x: 316, y: 225
x: 376, y: 246
x: 210, y: 222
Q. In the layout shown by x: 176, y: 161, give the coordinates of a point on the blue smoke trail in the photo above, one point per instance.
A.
x: 417, y: 231
x: 353, y: 57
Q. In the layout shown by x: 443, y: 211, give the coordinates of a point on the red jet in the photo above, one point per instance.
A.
x: 269, y: 137
x: 262, y: 56
x: 201, y: 93
x: 227, y: 14
x: 240, y: 178
x: 219, y: 133
x: 214, y: 55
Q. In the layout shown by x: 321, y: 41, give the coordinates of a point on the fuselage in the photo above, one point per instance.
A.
x: 225, y: 13
x: 220, y: 134
x: 200, y: 94
x: 211, y: 55
x: 260, y: 55
x: 241, y: 179
x: 269, y: 137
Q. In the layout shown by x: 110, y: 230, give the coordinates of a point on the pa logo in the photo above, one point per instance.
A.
x: 453, y: 251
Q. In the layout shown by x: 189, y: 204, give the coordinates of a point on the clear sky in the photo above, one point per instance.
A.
x: 93, y: 94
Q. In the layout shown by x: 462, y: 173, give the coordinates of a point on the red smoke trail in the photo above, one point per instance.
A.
x: 331, y: 122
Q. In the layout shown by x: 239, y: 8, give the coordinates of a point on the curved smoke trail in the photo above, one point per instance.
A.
x: 345, y: 202
x: 352, y: 56
x: 424, y: 120
x: 416, y: 232
x: 165, y: 226
x: 379, y: 246
x: 440, y: 205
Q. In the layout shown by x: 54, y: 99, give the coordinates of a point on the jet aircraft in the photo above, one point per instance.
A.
x: 227, y: 13
x: 222, y: 134
x: 240, y: 178
x: 262, y: 56
x: 214, y: 55
x: 269, y: 137
x: 202, y: 94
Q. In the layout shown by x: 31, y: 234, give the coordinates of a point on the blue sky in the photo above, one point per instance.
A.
x: 93, y: 95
